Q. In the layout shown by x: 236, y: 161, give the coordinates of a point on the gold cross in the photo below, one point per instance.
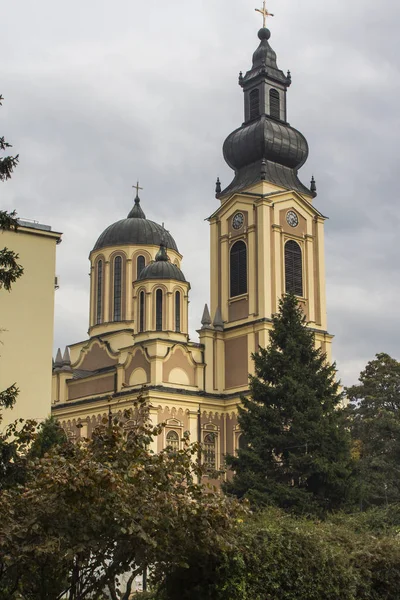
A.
x: 264, y: 12
x: 137, y: 188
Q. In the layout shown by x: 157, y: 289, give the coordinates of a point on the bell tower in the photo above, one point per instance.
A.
x: 267, y: 237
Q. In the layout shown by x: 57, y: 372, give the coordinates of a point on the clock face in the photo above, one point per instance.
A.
x: 238, y: 221
x: 292, y: 218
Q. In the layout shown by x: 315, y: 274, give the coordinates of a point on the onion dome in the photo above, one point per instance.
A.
x: 161, y: 268
x: 135, y: 230
x: 265, y: 147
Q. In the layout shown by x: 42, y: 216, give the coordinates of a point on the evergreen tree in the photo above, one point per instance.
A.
x: 375, y: 428
x: 297, y: 454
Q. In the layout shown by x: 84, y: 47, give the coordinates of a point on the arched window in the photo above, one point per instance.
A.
x: 159, y: 310
x: 210, y: 454
x: 293, y: 268
x: 117, y: 287
x: 238, y: 269
x: 173, y: 440
x: 274, y: 104
x: 142, y: 309
x: 177, y: 311
x: 140, y: 265
x: 254, y: 103
x: 99, y: 292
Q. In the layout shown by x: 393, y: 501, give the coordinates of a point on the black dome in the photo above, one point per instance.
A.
x: 136, y: 230
x: 161, y: 269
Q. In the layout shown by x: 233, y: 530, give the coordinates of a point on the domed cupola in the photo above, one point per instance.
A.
x: 162, y: 268
x: 161, y: 294
x: 265, y: 147
x: 135, y: 230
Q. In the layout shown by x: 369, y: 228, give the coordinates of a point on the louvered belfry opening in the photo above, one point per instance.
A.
x: 238, y: 269
x: 293, y: 268
x: 254, y: 103
x: 274, y: 104
x: 117, y: 288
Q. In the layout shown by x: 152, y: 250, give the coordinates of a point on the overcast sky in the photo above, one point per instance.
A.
x: 100, y: 93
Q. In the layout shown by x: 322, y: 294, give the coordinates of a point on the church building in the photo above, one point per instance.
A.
x: 267, y: 238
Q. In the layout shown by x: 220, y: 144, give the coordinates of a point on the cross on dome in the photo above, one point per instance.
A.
x: 264, y: 13
x: 137, y: 188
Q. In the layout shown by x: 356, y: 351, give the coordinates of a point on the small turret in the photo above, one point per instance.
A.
x: 206, y: 319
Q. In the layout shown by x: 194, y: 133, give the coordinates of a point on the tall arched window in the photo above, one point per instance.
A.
x: 173, y: 440
x: 117, y: 288
x: 274, y: 104
x: 210, y: 454
x: 142, y: 309
x: 293, y: 268
x: 140, y: 265
x: 177, y: 311
x: 254, y: 103
x: 238, y: 269
x: 99, y: 292
x: 159, y: 310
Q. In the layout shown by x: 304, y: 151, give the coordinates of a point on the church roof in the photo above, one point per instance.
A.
x: 161, y: 268
x: 135, y: 230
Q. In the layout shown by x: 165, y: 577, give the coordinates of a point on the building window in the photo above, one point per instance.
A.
x: 173, y: 440
x: 210, y: 454
x: 140, y: 265
x: 254, y: 103
x: 99, y: 303
x: 159, y: 310
x: 142, y: 309
x: 293, y: 268
x: 274, y: 104
x: 177, y: 312
x: 238, y: 269
x: 117, y: 288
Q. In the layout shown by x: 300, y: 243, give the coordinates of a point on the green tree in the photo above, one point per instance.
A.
x: 91, y: 511
x: 375, y: 428
x: 298, y: 451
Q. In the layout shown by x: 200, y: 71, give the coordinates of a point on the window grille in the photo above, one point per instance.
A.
x: 254, y: 103
x: 274, y: 104
x: 141, y: 311
x: 140, y: 265
x: 293, y: 268
x: 238, y: 269
x: 177, y: 311
x: 117, y: 288
x: 210, y: 454
x: 173, y: 440
x: 99, y: 292
x: 159, y: 310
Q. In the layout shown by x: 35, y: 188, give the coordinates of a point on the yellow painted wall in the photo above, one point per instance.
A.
x: 27, y: 321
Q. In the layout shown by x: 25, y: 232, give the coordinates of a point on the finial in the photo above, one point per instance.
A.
x: 206, y: 319
x: 137, y: 188
x: 289, y: 77
x: 218, y: 186
x: 162, y: 253
x: 59, y: 360
x: 263, y: 171
x: 66, y: 361
x: 218, y: 322
x: 264, y: 13
x: 240, y: 78
x: 313, y: 186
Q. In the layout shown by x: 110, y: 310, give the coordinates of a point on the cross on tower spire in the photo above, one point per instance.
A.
x: 264, y: 12
x: 137, y: 188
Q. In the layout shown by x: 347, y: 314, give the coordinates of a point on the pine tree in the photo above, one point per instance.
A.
x: 375, y: 428
x: 297, y: 451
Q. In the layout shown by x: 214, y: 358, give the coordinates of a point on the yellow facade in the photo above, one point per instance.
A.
x: 27, y: 322
x: 266, y: 240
